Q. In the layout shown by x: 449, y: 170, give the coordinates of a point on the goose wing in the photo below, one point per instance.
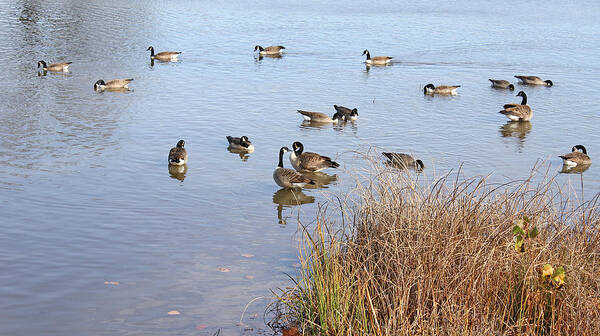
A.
x: 291, y: 177
x: 519, y: 111
x: 400, y: 158
x: 233, y: 140
x: 381, y: 58
x: 314, y: 116
x: 167, y: 53
x: 177, y: 153
x: 314, y: 162
x: 119, y: 82
x: 576, y: 157
x: 274, y: 48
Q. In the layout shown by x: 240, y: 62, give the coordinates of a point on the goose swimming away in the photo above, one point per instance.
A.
x: 178, y: 155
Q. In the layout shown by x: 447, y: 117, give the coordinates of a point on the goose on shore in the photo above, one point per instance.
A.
x: 55, y: 67
x: 346, y: 113
x: 163, y: 55
x: 320, y: 117
x: 518, y: 112
x: 376, y: 60
x: 309, y: 161
x: 115, y: 84
x: 271, y: 50
x: 534, y: 80
x: 289, y: 178
x: 241, y: 144
x: 502, y: 84
x: 576, y: 157
x: 178, y: 155
x: 404, y: 160
x: 446, y: 90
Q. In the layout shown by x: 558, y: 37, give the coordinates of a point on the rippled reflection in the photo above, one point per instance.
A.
x: 178, y: 172
x: 242, y: 153
x: 516, y: 129
x: 287, y: 198
x: 260, y: 57
x: 580, y: 168
x: 322, y: 179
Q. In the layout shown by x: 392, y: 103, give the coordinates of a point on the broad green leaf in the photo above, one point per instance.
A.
x: 533, y: 233
x: 517, y: 230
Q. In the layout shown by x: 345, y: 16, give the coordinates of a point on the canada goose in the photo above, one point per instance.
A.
x: 502, y: 84
x: 347, y: 114
x: 309, y: 162
x: 534, y: 80
x: 404, y: 160
x: 163, y: 55
x: 576, y: 157
x: 114, y: 84
x: 178, y: 155
x: 518, y: 112
x: 440, y: 90
x: 376, y: 60
x: 56, y: 67
x: 272, y: 50
x: 289, y: 178
x: 241, y: 143
x: 321, y: 117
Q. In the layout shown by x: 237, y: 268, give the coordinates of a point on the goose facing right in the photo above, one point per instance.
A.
x: 404, y: 160
x: 576, y: 157
x: 534, y: 80
x: 178, y: 154
x: 502, y: 84
x: 55, y: 67
x: 346, y: 113
x: 289, y: 178
x: 242, y: 143
x: 518, y: 112
x: 309, y: 161
x: 320, y: 117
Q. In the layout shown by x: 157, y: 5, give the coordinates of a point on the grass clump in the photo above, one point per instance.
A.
x: 460, y: 257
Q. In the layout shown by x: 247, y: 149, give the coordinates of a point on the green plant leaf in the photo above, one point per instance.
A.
x: 526, y: 219
x: 517, y: 230
x: 519, y: 244
x: 533, y: 233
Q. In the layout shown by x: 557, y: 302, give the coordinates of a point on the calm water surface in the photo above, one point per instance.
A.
x: 85, y: 192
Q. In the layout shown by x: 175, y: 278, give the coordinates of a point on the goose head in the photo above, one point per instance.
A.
x: 99, y: 84
x: 420, y: 165
x: 245, y: 142
x: 42, y: 63
x: 428, y: 88
x: 180, y: 143
x: 549, y: 82
x: 259, y: 48
x: 298, y: 147
x: 511, y: 87
x: 576, y: 147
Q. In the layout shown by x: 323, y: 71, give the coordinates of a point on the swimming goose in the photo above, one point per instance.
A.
x: 241, y: 143
x: 114, y: 84
x: 272, y: 50
x: 309, y: 161
x: 321, y: 117
x: 376, y: 60
x: 440, y: 90
x: 56, y: 67
x: 404, y: 160
x: 502, y: 84
x: 518, y: 112
x: 346, y: 113
x: 289, y: 178
x: 163, y: 55
x: 534, y: 80
x: 178, y: 155
x: 576, y: 157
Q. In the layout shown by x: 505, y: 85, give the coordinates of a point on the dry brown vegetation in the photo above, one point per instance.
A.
x: 446, y: 259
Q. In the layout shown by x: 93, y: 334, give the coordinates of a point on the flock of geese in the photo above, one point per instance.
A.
x: 310, y: 162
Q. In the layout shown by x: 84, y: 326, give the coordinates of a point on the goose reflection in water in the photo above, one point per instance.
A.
x: 580, y: 168
x: 244, y: 154
x: 260, y: 57
x: 287, y: 198
x: 178, y: 172
x: 340, y: 126
x: 322, y: 179
x: 516, y: 129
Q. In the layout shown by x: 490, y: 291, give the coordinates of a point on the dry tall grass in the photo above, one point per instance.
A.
x: 445, y: 259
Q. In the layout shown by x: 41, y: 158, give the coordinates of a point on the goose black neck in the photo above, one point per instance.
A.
x: 368, y: 55
x: 524, y: 101
x: 151, y: 51
x: 582, y: 149
x: 280, y: 165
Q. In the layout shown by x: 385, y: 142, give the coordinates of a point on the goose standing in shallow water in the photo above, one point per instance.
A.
x: 346, y: 113
x: 165, y: 56
x: 319, y: 117
x: 55, y: 67
x: 502, y: 84
x: 271, y: 50
x: 115, y: 84
x: 289, y: 178
x: 446, y: 90
x: 376, y: 60
x: 404, y: 160
x: 518, y: 112
x: 534, y: 80
x: 178, y: 155
x: 309, y: 161
x: 576, y: 157
x: 241, y: 144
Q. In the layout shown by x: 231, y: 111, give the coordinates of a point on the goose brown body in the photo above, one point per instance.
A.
x: 518, y: 112
x: 502, y: 84
x: 320, y: 117
x: 242, y: 143
x: 444, y: 90
x: 404, y: 160
x: 534, y: 80
x: 115, y: 84
x: 309, y: 161
x: 178, y: 155
x: 289, y: 178
x: 576, y: 157
x: 270, y: 50
x: 163, y: 55
x: 376, y: 60
x: 55, y: 67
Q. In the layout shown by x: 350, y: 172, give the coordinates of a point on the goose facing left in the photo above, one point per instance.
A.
x: 309, y: 161
x: 289, y: 178
x: 163, y: 55
x: 242, y: 143
x: 376, y: 60
x: 271, y: 50
x: 178, y: 155
x: 576, y: 157
x: 115, y: 84
x: 55, y: 67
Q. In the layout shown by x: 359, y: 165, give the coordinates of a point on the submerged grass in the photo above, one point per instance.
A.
x: 454, y: 257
